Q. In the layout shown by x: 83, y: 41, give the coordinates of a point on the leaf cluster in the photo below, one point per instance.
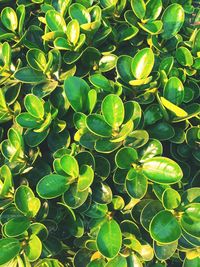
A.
x: 99, y: 133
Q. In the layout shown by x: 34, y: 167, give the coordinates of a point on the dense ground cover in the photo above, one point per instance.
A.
x: 99, y: 132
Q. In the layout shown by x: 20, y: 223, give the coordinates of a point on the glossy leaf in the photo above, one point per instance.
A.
x: 142, y: 63
x: 97, y: 125
x: 16, y: 226
x: 174, y: 91
x: 36, y: 59
x: 153, y: 9
x: 109, y: 239
x: 85, y: 178
x: 164, y: 252
x: 184, y: 56
x: 28, y: 75
x: 162, y: 170
x: 52, y: 186
x: 76, y: 90
x: 136, y: 184
x: 10, y: 247
x: 26, y: 202
x: 125, y: 157
x: 9, y: 18
x: 34, y: 106
x: 73, y: 31
x: 164, y: 228
x: 139, y: 8
x: 69, y: 165
x: 190, y: 219
x: 124, y: 68
x: 34, y: 248
x: 113, y: 110
x: 75, y: 198
x: 172, y: 27
x: 171, y: 199
x: 118, y: 261
x: 55, y: 21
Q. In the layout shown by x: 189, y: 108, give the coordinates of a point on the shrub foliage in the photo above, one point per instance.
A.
x: 99, y: 131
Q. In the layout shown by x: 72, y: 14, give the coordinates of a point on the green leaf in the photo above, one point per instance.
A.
x: 102, y: 167
x: 171, y: 199
x: 86, y: 158
x: 36, y: 59
x: 97, y: 125
x: 162, y: 131
x: 164, y: 228
x: 191, y: 262
x: 16, y: 226
x: 190, y: 220
x: 85, y: 178
x: 34, y: 106
x: 102, y: 193
x: 151, y: 149
x: 174, y: 91
x: 142, y: 63
x: 125, y: 130
x: 73, y: 31
x: 125, y: 157
x: 6, y: 53
x: 96, y: 210
x: 7, y: 181
x: 76, y: 90
x: 21, y: 13
x: 34, y: 248
x: 196, y: 45
x: 55, y: 21
x: 29, y: 75
x: 98, y: 80
x: 52, y: 186
x: 136, y: 184
x: 133, y: 111
x: 152, y: 27
x: 148, y: 212
x: 153, y: 9
x: 107, y: 62
x: 92, y: 99
x: 69, y: 165
x: 172, y: 27
x: 152, y: 114
x: 139, y: 8
x: 113, y: 110
x: 124, y: 68
x: 184, y: 56
x: 75, y: 198
x: 118, y: 261
x: 140, y: 82
x: 137, y: 138
x: 193, y: 136
x: 96, y: 263
x: 164, y: 252
x: 9, y: 19
x: 109, y: 239
x: 179, y: 112
x: 26, y: 120
x: 192, y: 110
x: 80, y: 13
x: 26, y: 202
x: 166, y: 64
x: 10, y: 248
x: 127, y: 33
x: 162, y: 170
